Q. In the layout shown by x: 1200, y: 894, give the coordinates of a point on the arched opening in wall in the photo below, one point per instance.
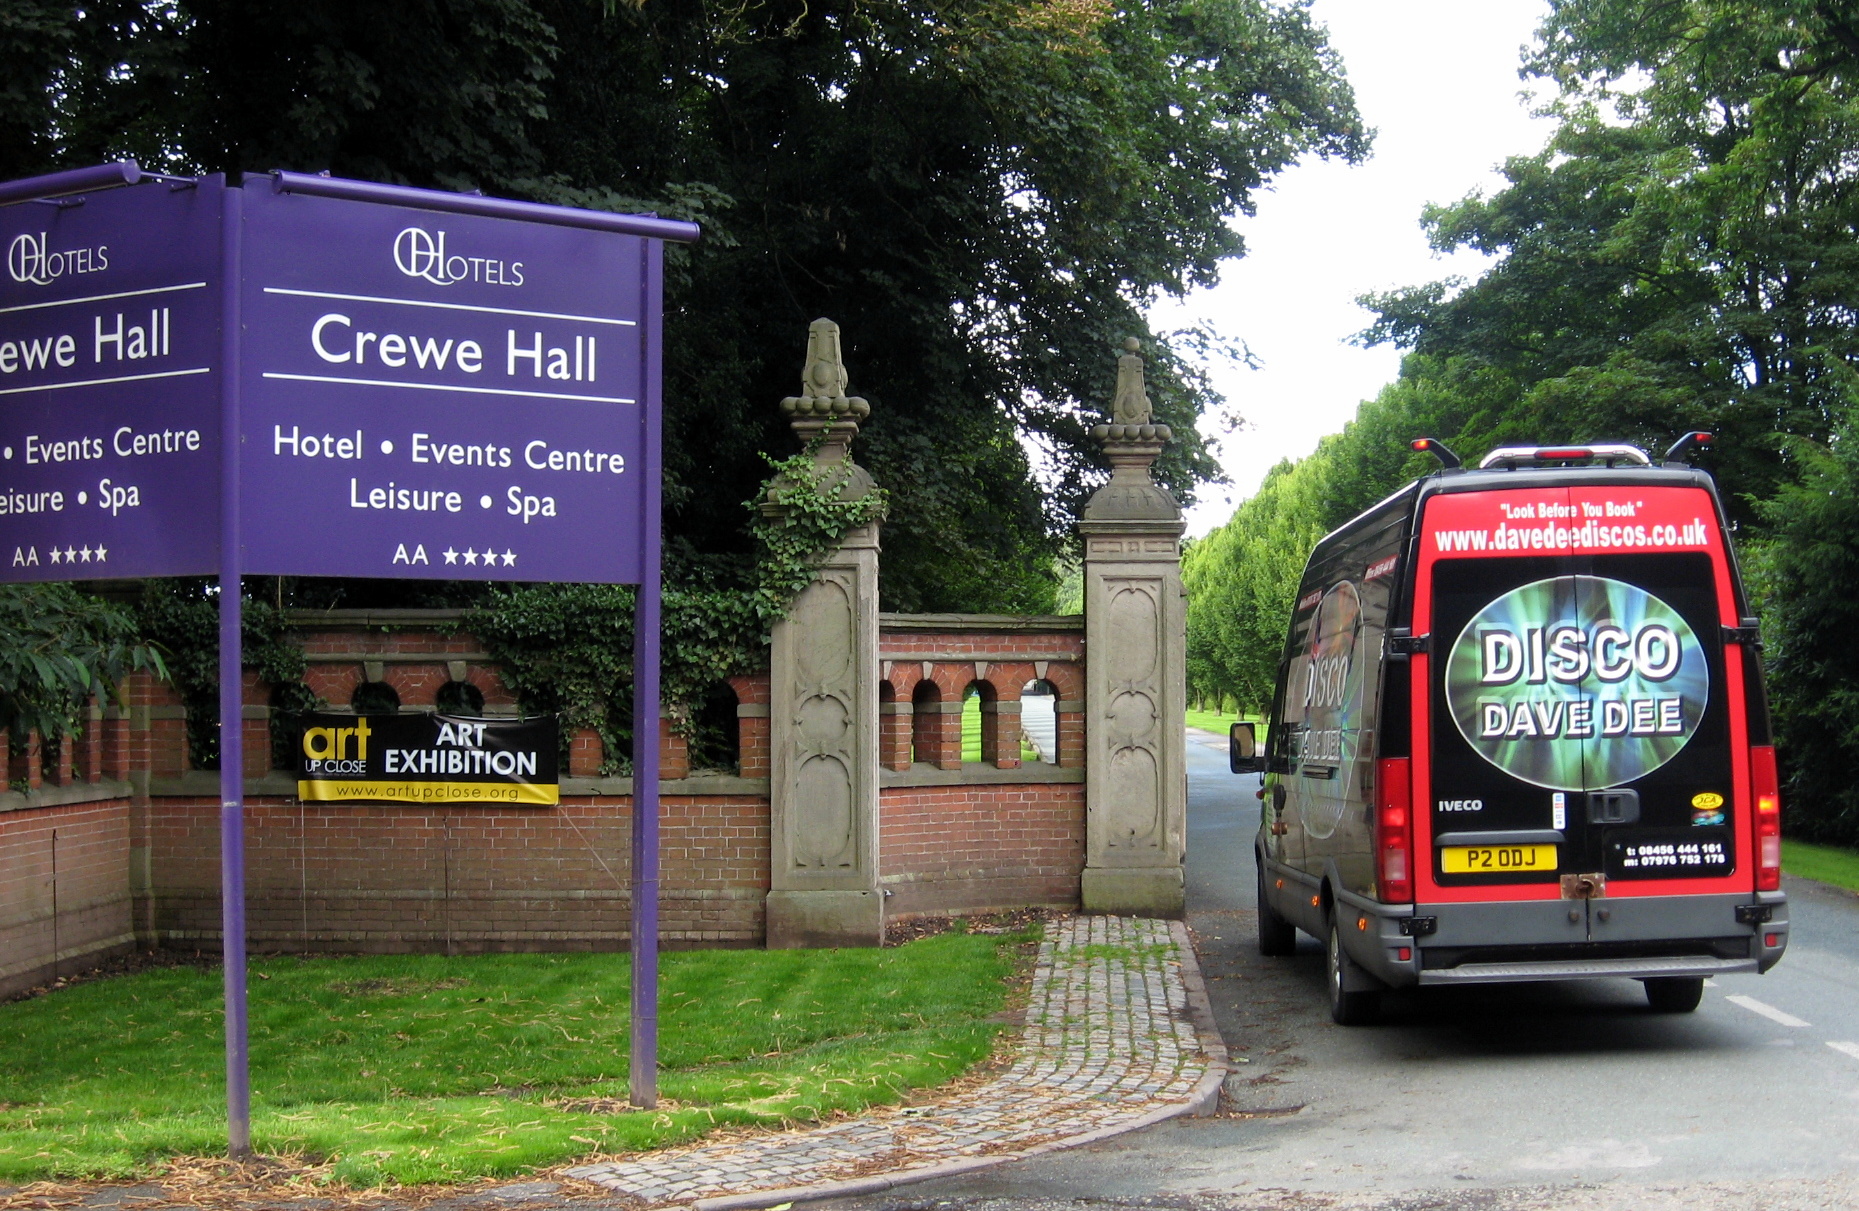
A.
x: 1039, y: 722
x: 715, y: 738
x: 459, y: 698
x: 375, y: 698
x: 51, y: 754
x: 926, y: 722
x: 980, y: 723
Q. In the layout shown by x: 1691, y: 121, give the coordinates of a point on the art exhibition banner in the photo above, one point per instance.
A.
x: 422, y: 758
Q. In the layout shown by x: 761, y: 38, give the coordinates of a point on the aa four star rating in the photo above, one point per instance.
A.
x: 487, y: 557
x: 28, y: 557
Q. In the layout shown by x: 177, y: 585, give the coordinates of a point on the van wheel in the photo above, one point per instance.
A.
x: 1346, y: 1008
x: 1674, y: 994
x: 1277, y: 936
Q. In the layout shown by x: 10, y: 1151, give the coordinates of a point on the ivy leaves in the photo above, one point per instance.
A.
x: 58, y: 647
x: 181, y: 617
x: 567, y: 649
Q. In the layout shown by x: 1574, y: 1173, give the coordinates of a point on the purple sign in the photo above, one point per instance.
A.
x: 422, y: 385
x: 439, y: 396
x: 109, y: 413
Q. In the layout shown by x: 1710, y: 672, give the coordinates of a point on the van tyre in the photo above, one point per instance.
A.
x: 1277, y: 936
x: 1347, y: 1008
x: 1674, y: 994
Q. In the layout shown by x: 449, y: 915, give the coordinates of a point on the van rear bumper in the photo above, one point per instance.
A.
x: 1636, y: 937
x: 1585, y: 969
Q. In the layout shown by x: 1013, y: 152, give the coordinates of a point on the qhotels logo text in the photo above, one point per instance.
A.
x: 419, y: 253
x: 29, y: 260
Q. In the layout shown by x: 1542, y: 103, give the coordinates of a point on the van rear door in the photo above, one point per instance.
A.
x: 1575, y: 704
x: 1665, y: 784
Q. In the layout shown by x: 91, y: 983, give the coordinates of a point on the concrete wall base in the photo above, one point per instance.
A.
x: 819, y: 919
x: 1142, y: 892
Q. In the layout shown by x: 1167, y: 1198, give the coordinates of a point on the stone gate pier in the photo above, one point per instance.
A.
x: 829, y: 817
x: 1136, y: 697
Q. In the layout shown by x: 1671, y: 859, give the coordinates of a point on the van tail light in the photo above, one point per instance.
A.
x: 1767, y: 790
x: 1394, y: 831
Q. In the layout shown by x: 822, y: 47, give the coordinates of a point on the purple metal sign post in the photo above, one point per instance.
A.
x: 402, y: 385
x: 643, y: 1079
x: 445, y: 386
x: 118, y: 307
x: 232, y: 699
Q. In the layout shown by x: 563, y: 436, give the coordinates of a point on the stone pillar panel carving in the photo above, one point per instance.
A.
x: 823, y: 702
x: 1136, y: 676
x: 820, y: 733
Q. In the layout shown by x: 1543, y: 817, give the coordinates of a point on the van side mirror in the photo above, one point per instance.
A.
x: 1242, y: 750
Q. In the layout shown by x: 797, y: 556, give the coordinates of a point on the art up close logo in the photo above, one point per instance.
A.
x: 423, y: 254
x: 1577, y: 683
x: 29, y: 259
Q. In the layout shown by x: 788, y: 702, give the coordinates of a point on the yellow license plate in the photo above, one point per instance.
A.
x: 1497, y: 859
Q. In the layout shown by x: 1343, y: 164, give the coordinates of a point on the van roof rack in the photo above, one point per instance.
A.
x: 1609, y: 453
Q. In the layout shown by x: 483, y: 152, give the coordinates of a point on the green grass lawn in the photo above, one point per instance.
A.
x: 1823, y: 863
x: 1218, y: 722
x: 416, y: 1069
x: 1211, y: 721
x: 971, y: 733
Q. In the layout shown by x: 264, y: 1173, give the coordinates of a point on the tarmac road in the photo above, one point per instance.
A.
x: 1524, y: 1096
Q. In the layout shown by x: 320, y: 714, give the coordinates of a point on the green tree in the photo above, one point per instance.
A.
x: 1808, y: 569
x: 59, y: 648
x: 984, y: 192
x: 1680, y: 255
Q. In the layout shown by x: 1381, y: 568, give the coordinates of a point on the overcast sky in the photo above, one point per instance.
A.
x: 1437, y: 79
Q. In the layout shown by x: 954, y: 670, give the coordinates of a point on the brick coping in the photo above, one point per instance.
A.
x: 65, y: 796
x: 980, y: 622
x: 194, y: 784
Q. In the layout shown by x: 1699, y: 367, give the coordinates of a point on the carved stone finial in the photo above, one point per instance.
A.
x: 823, y: 381
x: 1131, y: 405
x: 1132, y: 441
x: 824, y: 416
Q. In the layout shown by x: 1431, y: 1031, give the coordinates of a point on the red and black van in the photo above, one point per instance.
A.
x: 1519, y: 733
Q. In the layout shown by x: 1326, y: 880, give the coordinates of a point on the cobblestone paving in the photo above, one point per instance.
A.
x: 1108, y: 1039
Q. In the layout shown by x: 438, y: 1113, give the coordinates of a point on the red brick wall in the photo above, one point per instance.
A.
x: 1004, y: 662
x: 386, y: 877
x: 395, y: 877
x: 64, y: 889
x: 754, y: 745
x: 971, y: 847
x: 417, y: 682
x: 982, y: 645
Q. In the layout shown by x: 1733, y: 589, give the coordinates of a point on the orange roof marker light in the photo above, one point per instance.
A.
x: 1438, y: 449
x: 1695, y: 440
